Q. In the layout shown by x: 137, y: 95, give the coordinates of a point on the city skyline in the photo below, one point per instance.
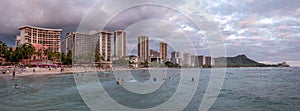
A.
x: 266, y: 31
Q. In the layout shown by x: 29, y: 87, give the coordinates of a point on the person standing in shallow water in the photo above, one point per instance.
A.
x: 14, y: 74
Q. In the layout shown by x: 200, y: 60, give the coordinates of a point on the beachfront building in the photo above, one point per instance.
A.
x: 120, y: 43
x: 187, y: 59
x: 88, y: 45
x: 17, y: 41
x: 209, y: 61
x: 198, y: 60
x: 68, y: 43
x: 63, y: 47
x: 40, y: 55
x: 163, y: 51
x: 154, y: 56
x: 176, y: 58
x: 47, y: 37
x: 103, y: 47
x: 143, y: 47
x: 84, y: 48
x: 133, y: 61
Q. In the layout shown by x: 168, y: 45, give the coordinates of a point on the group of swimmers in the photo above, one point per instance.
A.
x: 122, y: 81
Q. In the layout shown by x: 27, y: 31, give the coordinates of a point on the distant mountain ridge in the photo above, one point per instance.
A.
x: 239, y: 61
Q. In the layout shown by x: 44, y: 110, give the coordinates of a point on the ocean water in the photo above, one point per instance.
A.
x: 244, y: 89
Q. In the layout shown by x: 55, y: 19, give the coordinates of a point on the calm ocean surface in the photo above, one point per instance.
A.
x: 244, y: 89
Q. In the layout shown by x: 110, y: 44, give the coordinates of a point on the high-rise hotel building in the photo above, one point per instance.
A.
x: 143, y: 47
x: 163, y: 51
x: 87, y: 45
x: 103, y: 46
x: 120, y: 43
x: 68, y: 43
x: 187, y: 59
x: 47, y: 37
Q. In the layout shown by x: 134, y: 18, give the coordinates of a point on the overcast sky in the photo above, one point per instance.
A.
x: 264, y: 30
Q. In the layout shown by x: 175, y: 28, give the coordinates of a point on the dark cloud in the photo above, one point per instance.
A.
x: 65, y: 14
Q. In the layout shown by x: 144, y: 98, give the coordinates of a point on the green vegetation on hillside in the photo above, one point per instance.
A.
x: 239, y: 61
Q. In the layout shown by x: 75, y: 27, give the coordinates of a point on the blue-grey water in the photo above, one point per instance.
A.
x: 244, y: 89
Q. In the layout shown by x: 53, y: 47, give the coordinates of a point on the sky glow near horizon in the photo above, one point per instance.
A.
x: 264, y: 30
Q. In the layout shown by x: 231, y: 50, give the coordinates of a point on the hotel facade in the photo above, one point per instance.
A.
x: 87, y: 45
x: 176, y: 57
x: 103, y: 46
x: 68, y: 43
x: 47, y: 37
x: 143, y: 47
x: 187, y: 59
x: 120, y: 43
x: 163, y: 51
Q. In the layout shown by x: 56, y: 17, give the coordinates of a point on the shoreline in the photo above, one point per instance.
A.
x: 43, y: 71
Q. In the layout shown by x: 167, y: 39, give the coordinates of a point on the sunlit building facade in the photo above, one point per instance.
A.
x: 143, y: 47
x: 120, y: 43
x: 68, y: 43
x: 163, y: 51
x: 47, y: 37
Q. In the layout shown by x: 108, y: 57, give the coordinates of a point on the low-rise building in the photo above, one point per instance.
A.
x: 133, y: 61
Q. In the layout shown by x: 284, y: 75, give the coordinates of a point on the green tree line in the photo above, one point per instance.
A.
x: 25, y: 51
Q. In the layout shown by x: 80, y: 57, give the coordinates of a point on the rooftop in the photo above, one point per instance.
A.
x: 24, y: 26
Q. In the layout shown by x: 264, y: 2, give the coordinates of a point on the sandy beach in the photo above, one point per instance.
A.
x: 45, y: 71
x: 52, y: 71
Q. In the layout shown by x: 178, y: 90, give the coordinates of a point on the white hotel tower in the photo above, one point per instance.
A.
x: 120, y: 43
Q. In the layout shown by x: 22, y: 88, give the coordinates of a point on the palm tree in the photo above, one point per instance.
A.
x: 39, y: 53
x: 3, y: 48
x: 48, y: 53
x: 8, y: 54
x: 18, y: 53
x: 27, y: 50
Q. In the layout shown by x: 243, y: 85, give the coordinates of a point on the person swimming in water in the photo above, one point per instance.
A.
x: 123, y: 81
x: 16, y: 86
x: 154, y: 79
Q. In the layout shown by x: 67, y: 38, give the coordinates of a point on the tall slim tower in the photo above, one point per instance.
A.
x: 163, y: 51
x: 143, y: 47
x: 120, y: 43
x: 103, y: 46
